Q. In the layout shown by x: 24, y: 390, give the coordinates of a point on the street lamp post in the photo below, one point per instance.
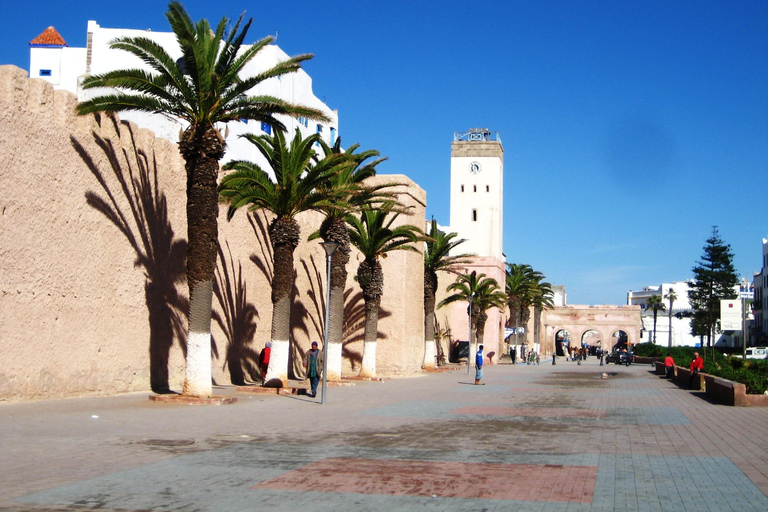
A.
x: 330, y: 248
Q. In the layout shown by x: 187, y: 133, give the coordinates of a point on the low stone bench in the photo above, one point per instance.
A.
x: 662, y: 370
x: 683, y: 377
x: 728, y: 392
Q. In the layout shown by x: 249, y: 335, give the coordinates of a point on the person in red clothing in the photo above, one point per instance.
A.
x: 264, y: 360
x: 669, y: 366
x: 697, y: 364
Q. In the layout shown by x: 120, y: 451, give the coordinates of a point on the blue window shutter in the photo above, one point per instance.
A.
x: 266, y: 128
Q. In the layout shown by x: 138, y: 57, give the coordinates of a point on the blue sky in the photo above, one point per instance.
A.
x: 629, y: 128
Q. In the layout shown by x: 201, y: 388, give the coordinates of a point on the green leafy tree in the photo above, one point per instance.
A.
x: 671, y: 296
x: 655, y: 304
x: 437, y: 258
x: 374, y: 234
x: 714, y: 279
x: 203, y: 89
x: 297, y: 187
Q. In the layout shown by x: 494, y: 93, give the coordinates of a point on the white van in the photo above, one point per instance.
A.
x: 757, y: 353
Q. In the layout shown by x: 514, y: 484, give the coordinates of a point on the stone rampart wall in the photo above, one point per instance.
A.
x: 93, y: 243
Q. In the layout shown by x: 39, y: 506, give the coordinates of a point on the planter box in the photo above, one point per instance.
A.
x: 662, y: 370
x: 645, y: 360
x: 728, y: 392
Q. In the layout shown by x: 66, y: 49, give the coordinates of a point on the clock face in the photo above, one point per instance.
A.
x: 475, y: 167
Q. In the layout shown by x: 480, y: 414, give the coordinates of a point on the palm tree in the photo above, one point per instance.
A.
x: 671, y: 297
x: 297, y: 188
x: 484, y: 294
x: 541, y: 299
x: 350, y: 177
x: 203, y: 89
x: 518, y: 286
x: 654, y: 302
x: 436, y: 259
x: 374, y: 235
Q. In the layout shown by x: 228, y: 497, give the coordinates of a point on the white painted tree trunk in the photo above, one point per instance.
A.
x: 368, y: 368
x: 197, y: 378
x: 430, y: 355
x: 334, y: 361
x: 278, y: 362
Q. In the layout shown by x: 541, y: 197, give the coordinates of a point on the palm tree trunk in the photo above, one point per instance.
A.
x: 201, y: 150
x: 430, y: 285
x: 654, y: 326
x: 669, y: 344
x: 368, y: 367
x: 284, y: 234
x: 335, y: 230
x: 371, y: 278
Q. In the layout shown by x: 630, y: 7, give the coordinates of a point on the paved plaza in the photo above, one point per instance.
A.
x: 538, y: 438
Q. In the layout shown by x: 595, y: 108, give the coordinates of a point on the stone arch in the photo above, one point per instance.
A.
x: 562, y: 339
x: 620, y: 339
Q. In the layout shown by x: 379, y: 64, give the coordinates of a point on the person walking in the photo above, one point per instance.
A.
x: 479, y: 366
x: 669, y: 366
x: 313, y: 363
x: 697, y: 364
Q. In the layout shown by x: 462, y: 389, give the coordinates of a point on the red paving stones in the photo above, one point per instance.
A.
x: 534, y: 412
x: 523, y: 482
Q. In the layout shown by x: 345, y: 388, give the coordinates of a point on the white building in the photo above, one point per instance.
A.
x: 681, y: 327
x: 476, y: 213
x: 51, y: 59
x: 760, y: 282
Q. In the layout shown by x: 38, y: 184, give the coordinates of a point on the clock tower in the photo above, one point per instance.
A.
x: 477, y: 192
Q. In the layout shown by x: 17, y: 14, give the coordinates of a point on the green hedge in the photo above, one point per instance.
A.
x: 753, y: 374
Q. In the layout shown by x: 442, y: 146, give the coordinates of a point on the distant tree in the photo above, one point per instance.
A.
x: 373, y: 233
x: 714, y: 279
x: 656, y: 304
x: 542, y: 297
x: 671, y: 297
x: 483, y: 292
x: 437, y: 259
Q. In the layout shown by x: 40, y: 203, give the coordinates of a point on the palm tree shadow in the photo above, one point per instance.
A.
x: 147, y: 228
x: 354, y: 325
x: 238, y: 321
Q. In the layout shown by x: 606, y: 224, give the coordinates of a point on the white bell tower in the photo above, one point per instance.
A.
x: 477, y: 192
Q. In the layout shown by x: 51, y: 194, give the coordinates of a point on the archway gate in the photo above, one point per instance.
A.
x: 578, y: 320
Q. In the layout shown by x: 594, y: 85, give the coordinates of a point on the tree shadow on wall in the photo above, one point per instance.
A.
x: 354, y: 325
x: 238, y: 322
x: 148, y: 230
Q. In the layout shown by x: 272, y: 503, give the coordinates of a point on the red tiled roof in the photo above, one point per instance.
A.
x: 49, y: 37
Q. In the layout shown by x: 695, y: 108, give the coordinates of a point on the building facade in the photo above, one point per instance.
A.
x: 476, y: 213
x: 760, y: 284
x: 51, y: 59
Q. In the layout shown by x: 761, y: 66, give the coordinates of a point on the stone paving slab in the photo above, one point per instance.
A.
x: 534, y: 438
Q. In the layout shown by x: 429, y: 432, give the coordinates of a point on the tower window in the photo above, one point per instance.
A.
x: 474, y: 215
x: 45, y: 72
x: 462, y: 188
x: 487, y: 188
x: 474, y: 188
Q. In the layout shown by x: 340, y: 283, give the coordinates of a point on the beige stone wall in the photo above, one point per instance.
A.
x: 81, y: 298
